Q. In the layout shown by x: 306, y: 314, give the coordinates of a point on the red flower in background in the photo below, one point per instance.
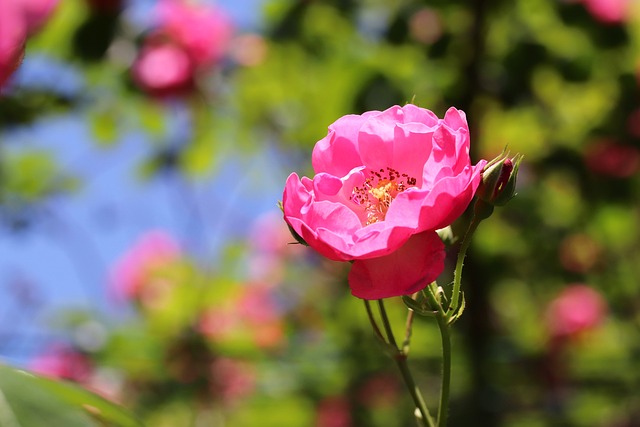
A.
x: 612, y: 159
x: 385, y: 181
x: 334, y: 412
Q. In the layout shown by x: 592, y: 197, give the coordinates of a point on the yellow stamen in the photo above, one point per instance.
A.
x: 379, y: 190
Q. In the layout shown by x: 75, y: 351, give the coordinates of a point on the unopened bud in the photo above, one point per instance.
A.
x: 499, y: 180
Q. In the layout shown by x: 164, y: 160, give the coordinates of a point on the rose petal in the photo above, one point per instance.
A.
x: 450, y: 197
x: 400, y: 138
x: 326, y: 226
x: 337, y: 153
x: 403, y: 272
x: 456, y: 119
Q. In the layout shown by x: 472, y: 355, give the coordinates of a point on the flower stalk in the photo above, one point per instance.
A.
x: 442, y: 319
x: 400, y: 356
x: 452, y: 312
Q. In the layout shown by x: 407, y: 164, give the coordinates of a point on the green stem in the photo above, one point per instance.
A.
x: 386, y: 324
x: 443, y: 325
x: 401, y: 360
x: 424, y: 416
x: 457, y: 274
x: 372, y: 320
x: 407, y: 332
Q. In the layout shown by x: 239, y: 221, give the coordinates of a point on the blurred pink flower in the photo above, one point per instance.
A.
x: 381, y: 390
x: 252, y: 311
x: 269, y: 242
x: 163, y: 69
x: 201, y: 29
x: 249, y: 50
x: 62, y: 362
x: 136, y: 267
x: 633, y: 121
x: 13, y: 34
x: 219, y: 323
x: 385, y: 181
x: 612, y: 159
x: 268, y: 234
x: 334, y: 412
x: 608, y: 11
x: 232, y: 379
x: 425, y: 26
x: 578, y: 308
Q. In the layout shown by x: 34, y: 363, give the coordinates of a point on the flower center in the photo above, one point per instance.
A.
x: 378, y: 191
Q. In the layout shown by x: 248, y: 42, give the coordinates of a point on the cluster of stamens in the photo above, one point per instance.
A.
x: 378, y: 191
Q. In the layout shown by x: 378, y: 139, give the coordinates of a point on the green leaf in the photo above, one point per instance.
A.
x: 27, y: 400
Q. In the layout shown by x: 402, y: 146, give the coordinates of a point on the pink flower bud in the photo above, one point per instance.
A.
x: 499, y: 180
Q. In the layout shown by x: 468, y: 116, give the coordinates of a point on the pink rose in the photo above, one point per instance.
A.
x: 163, y: 70
x: 385, y: 181
x: 13, y: 34
x: 204, y: 31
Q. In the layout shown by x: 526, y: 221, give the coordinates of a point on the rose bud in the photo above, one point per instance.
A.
x: 499, y: 180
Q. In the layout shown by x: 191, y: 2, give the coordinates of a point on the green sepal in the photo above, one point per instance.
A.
x: 458, y: 313
x: 420, y: 307
x: 446, y: 235
x: 299, y: 239
x: 294, y: 233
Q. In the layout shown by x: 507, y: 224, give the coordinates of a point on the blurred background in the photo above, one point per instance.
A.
x: 144, y: 146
